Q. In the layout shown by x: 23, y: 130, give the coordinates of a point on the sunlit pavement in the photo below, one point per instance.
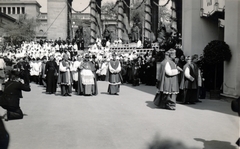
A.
x: 125, y: 121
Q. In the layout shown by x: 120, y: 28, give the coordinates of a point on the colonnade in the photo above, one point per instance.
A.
x: 12, y: 10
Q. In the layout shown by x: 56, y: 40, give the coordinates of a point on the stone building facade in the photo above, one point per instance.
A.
x: 59, y: 19
x: 31, y: 8
x: 200, y: 26
x: 14, y: 8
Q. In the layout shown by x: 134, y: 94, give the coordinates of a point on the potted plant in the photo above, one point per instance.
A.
x: 215, y: 53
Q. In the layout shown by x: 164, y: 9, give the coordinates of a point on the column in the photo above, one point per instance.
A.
x: 174, y: 16
x: 231, y: 83
x: 93, y: 13
x: 147, y: 21
x: 120, y: 19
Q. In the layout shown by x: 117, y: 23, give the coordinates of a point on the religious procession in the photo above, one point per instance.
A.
x: 61, y: 65
x: 135, y: 51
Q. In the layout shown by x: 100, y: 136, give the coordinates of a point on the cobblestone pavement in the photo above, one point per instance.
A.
x: 127, y: 121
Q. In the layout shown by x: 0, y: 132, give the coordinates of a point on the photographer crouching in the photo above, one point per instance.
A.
x: 10, y: 99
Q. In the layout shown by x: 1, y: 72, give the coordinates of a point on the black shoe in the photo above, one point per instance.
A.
x: 198, y: 101
x: 69, y: 94
x: 192, y: 103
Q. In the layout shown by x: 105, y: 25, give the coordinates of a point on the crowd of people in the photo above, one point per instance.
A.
x: 178, y: 78
x: 54, y: 64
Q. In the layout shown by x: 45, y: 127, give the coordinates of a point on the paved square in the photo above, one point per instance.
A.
x: 127, y: 121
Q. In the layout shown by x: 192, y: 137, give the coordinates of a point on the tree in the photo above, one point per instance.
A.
x: 21, y: 30
x: 215, y: 53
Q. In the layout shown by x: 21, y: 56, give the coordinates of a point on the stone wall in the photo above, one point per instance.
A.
x: 231, y: 85
x: 197, y: 32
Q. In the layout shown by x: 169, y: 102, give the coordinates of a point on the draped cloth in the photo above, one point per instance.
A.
x: 87, y: 77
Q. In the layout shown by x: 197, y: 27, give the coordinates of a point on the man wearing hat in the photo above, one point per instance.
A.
x: 168, y: 86
x: 114, y: 76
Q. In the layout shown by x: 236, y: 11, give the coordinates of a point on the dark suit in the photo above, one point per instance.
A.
x: 11, y: 98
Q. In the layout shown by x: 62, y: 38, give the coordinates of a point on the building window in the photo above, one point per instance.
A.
x: 0, y: 9
x: 23, y: 10
x: 9, y: 10
x: 4, y: 9
x: 13, y: 10
x: 18, y: 10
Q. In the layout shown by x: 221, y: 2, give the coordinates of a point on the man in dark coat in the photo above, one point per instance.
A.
x: 10, y: 100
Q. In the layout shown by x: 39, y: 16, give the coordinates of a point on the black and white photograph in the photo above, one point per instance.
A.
x: 119, y: 74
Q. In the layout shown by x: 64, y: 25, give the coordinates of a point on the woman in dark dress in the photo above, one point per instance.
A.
x: 51, y: 70
x: 10, y: 100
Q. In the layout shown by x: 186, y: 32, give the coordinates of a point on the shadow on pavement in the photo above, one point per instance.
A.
x: 214, y: 105
x: 220, y: 106
x: 144, y: 88
x: 151, y: 105
x: 163, y: 143
x: 215, y: 144
x: 106, y: 93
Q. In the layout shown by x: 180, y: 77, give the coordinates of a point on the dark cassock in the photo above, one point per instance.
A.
x: 150, y: 72
x: 167, y: 85
x: 65, y: 77
x: 51, y: 70
x: 198, y: 76
x: 87, y: 84
x: 136, y: 71
x: 25, y: 70
x: 129, y: 75
x: 189, y: 82
x: 114, y: 76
